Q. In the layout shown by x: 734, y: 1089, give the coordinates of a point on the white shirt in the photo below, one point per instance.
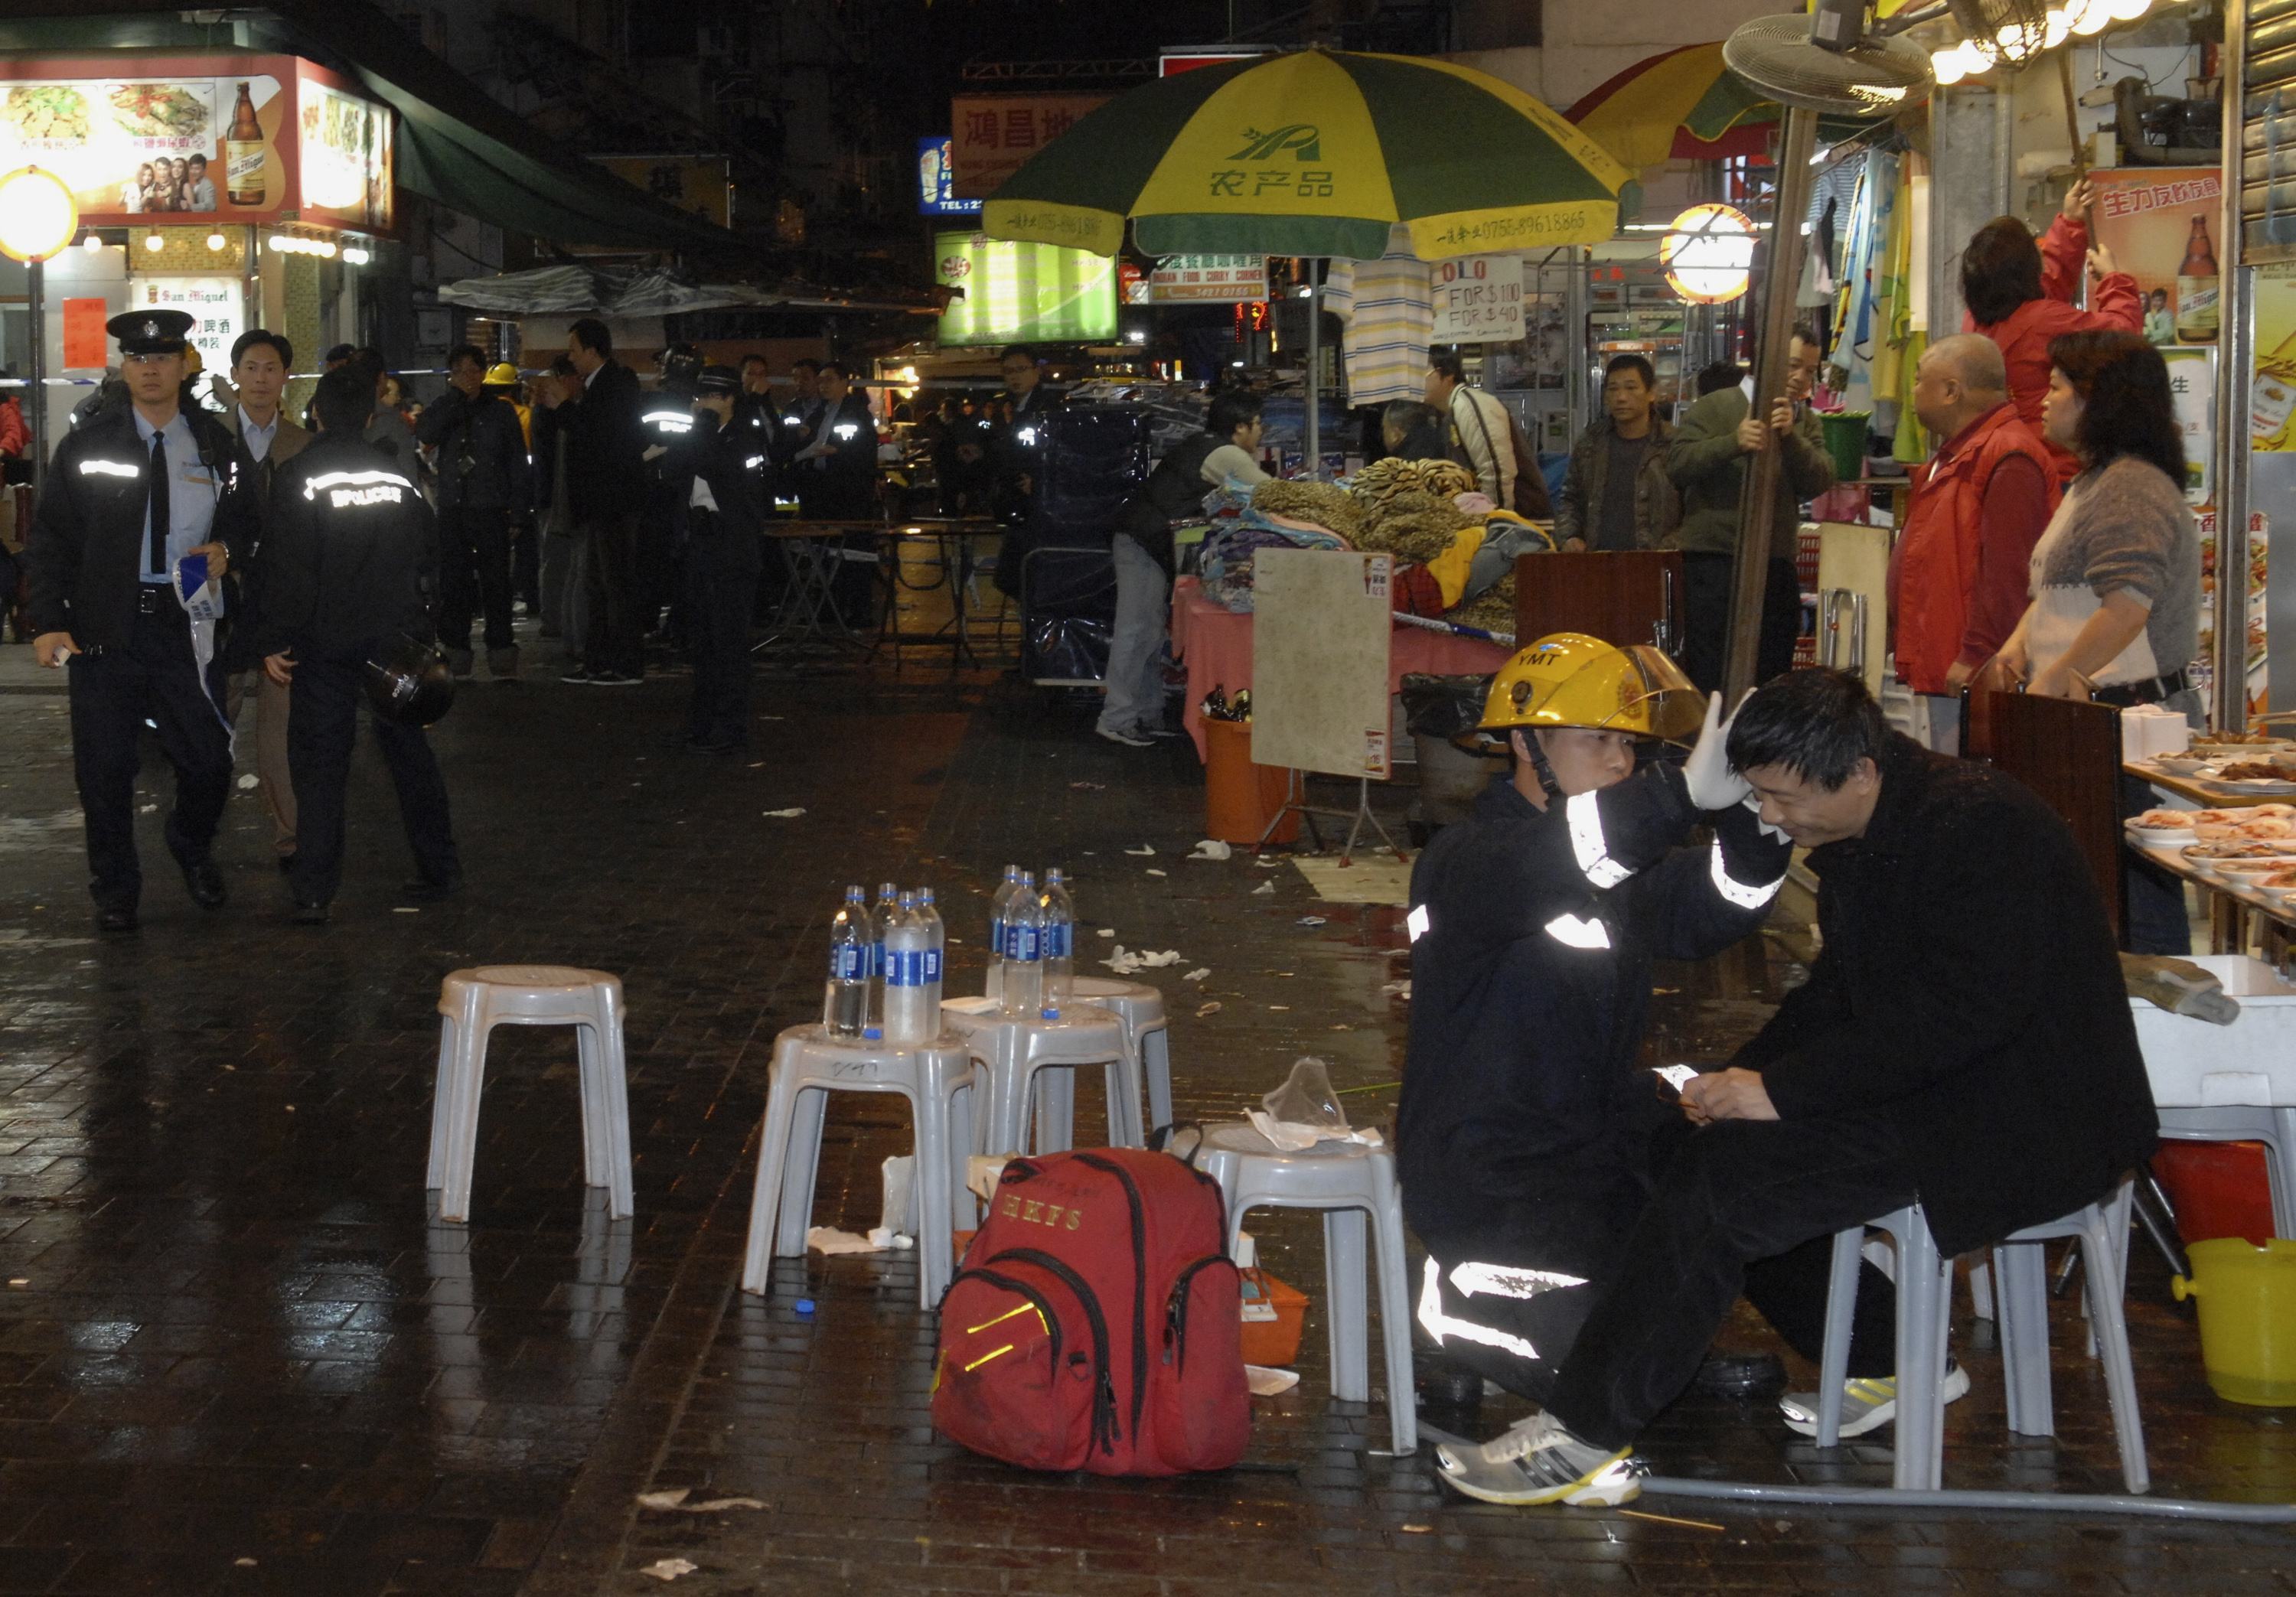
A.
x: 258, y: 439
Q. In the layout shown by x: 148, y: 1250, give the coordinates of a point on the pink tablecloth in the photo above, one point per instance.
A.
x: 1214, y: 646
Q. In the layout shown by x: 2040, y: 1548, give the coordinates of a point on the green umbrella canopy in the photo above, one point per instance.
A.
x: 1317, y: 152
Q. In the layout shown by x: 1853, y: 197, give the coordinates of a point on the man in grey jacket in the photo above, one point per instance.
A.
x: 484, y: 485
x: 1615, y: 494
x: 1708, y: 460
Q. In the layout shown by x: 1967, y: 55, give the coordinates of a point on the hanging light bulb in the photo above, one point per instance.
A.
x: 2087, y: 18
x: 2014, y: 43
x: 325, y: 250
x: 2056, y: 28
x: 215, y: 240
x: 1946, y: 67
x: 92, y: 244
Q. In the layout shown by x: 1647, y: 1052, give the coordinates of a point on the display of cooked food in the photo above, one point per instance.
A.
x: 158, y: 110
x: 2279, y: 880
x: 2241, y: 849
x: 47, y: 110
x: 2253, y: 770
x: 2171, y: 820
x: 2240, y: 740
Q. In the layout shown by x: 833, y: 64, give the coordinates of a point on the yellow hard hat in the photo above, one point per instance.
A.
x: 192, y: 365
x: 502, y: 375
x: 1569, y: 679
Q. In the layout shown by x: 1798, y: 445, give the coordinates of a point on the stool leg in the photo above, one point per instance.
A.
x: 2105, y: 1315
x: 1924, y: 1299
x: 1395, y: 1324
x: 1123, y: 1095
x: 965, y: 1210
x: 1981, y: 1290
x: 1841, y: 1313
x: 929, y: 1116
x: 801, y: 1171
x: 1156, y: 1064
x: 610, y: 1103
x: 2281, y: 1146
x: 766, y: 1196
x: 442, y: 1099
x: 1054, y: 1087
x: 2020, y: 1273
x: 1346, y: 1304
x: 468, y: 1085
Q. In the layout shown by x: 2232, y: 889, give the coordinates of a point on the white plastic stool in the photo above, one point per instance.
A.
x: 473, y: 1003
x: 1141, y: 1008
x: 1925, y: 1301
x: 808, y: 1065
x: 1347, y: 1181
x: 1012, y: 1051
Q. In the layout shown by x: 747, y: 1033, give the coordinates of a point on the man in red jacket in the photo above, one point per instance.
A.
x: 1958, y: 577
x: 2019, y: 295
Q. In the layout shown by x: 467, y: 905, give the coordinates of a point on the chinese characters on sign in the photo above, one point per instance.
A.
x: 1208, y: 280
x: 2161, y: 223
x: 937, y: 182
x: 1478, y: 299
x: 200, y: 136
x: 992, y: 136
x: 2193, y: 387
x: 214, y: 304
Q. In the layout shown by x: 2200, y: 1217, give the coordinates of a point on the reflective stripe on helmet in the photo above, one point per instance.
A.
x: 108, y: 467
x: 1593, y: 854
x: 1572, y: 932
x: 1738, y: 892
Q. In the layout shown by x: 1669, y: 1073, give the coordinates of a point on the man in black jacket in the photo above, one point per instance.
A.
x: 605, y: 480
x: 837, y: 481
x: 1016, y: 443
x: 484, y: 485
x: 1963, y: 1040
x: 724, y: 508
x: 352, y: 561
x: 1528, y: 1129
x: 137, y: 495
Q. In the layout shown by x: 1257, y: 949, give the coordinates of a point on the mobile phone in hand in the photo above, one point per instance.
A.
x: 1673, y: 1078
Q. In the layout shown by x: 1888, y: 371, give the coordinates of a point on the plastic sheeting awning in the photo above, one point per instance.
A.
x: 609, y: 291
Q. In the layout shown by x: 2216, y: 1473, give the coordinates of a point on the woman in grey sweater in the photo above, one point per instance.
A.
x: 2116, y: 577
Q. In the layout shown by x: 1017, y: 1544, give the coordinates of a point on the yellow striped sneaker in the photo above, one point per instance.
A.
x: 1867, y: 1403
x: 1537, y: 1461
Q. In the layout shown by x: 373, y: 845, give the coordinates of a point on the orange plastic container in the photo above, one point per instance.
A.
x: 2219, y: 1189
x: 1240, y: 798
x: 1272, y: 1315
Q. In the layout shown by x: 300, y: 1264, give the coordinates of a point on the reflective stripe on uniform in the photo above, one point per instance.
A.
x: 1738, y: 892
x: 1415, y: 924
x: 1593, y: 854
x: 108, y: 467
x: 1572, y: 932
x: 358, y: 480
x: 1509, y: 1281
x: 1441, y: 1325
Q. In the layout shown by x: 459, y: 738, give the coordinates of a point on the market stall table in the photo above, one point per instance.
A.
x: 1215, y: 646
x: 815, y: 551
x: 2230, y: 896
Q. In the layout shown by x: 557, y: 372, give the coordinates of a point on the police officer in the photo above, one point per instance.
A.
x: 135, y: 490
x: 666, y: 424
x: 351, y: 566
x: 724, y: 515
x: 1016, y: 445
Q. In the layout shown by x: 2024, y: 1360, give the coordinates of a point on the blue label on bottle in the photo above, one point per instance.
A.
x: 1028, y: 945
x: 997, y: 933
x: 877, y: 958
x: 848, y: 962
x: 905, y: 967
x: 1057, y: 943
x: 932, y: 965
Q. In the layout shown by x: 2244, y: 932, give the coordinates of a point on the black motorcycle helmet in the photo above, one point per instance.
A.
x: 409, y: 682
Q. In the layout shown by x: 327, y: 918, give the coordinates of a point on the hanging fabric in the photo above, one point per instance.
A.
x: 1388, y: 307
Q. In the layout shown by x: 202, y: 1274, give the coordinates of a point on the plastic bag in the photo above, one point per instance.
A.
x: 1305, y: 1111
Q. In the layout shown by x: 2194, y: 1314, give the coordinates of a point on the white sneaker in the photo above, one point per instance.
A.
x: 1130, y: 740
x: 1866, y: 1404
x: 1537, y: 1461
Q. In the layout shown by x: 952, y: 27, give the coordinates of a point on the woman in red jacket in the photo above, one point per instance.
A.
x: 2019, y: 295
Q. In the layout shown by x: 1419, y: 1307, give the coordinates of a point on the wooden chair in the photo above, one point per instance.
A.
x: 2069, y: 753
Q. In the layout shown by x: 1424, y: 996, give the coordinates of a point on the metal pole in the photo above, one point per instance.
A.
x: 1758, y: 504
x: 1574, y: 322
x: 35, y: 396
x: 1312, y: 445
x: 2236, y: 363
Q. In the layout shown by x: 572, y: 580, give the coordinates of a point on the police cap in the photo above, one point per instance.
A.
x: 153, y: 331
x: 718, y: 379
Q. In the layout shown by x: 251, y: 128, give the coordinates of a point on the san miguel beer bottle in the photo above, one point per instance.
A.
x: 2196, y: 288
x: 243, y: 154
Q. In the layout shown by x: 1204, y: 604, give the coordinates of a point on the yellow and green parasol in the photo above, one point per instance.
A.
x: 1684, y: 104
x: 1318, y: 154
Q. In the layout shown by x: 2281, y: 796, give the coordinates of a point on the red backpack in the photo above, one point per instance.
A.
x: 1097, y: 1322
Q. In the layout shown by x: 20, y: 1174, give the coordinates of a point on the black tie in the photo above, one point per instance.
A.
x: 157, y: 503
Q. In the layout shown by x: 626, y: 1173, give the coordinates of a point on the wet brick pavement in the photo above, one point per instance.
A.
x: 235, y: 1357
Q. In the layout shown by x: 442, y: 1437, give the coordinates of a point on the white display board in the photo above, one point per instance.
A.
x: 1478, y: 299
x: 1322, y: 622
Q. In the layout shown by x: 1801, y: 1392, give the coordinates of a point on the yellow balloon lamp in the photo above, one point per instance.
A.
x: 1708, y: 254
x: 37, y: 213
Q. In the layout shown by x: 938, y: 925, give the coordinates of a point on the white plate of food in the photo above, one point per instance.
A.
x: 2277, y: 885
x: 2156, y: 828
x: 2181, y: 764
x: 2241, y: 745
x: 2248, y: 776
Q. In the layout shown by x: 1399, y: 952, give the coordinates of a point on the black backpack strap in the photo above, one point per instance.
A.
x: 1165, y: 1138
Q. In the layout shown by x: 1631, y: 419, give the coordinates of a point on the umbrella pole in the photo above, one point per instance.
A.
x: 1314, y: 463
x: 1757, y: 504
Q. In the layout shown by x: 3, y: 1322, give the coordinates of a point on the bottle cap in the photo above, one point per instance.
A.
x: 875, y: 1034
x: 1050, y: 1014
x: 805, y: 1306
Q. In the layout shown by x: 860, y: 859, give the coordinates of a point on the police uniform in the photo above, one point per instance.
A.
x: 725, y: 508
x: 126, y: 500
x: 1016, y: 448
x: 666, y: 424
x: 351, y: 563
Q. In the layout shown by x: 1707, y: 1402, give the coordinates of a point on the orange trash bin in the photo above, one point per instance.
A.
x: 1241, y: 798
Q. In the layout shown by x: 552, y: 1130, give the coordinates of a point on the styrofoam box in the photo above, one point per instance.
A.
x: 2196, y: 1064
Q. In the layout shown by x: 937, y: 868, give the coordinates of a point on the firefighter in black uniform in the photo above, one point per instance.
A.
x: 1528, y: 1134
x: 350, y: 570
x: 724, y: 516
x: 134, y: 491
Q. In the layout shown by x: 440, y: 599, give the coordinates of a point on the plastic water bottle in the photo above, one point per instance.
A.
x: 905, y: 1020
x: 999, y: 901
x: 1024, y: 952
x: 1058, y: 914
x: 845, y: 1006
x: 881, y: 919
x: 936, y: 947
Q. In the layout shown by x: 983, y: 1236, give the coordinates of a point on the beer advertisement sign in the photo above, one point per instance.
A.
x: 2160, y: 223
x: 197, y: 138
